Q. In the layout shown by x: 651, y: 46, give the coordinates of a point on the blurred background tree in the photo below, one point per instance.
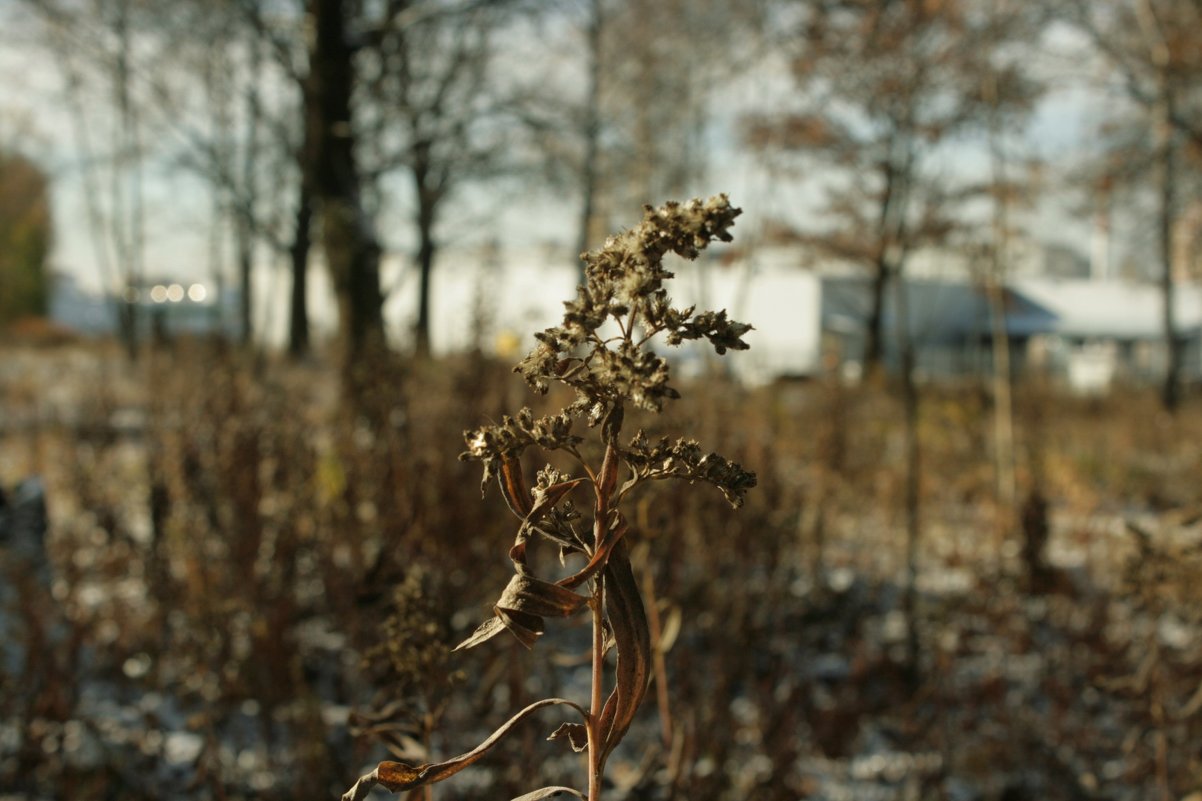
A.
x: 881, y: 88
x: 1153, y: 49
x: 26, y: 235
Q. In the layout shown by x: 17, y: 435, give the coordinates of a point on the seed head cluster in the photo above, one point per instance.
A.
x: 624, y: 284
x: 685, y: 459
x: 601, y: 349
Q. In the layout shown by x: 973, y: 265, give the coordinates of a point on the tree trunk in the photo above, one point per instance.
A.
x: 428, y: 185
x: 245, y: 266
x: 302, y: 236
x: 1003, y: 414
x: 425, y: 265
x: 298, y: 312
x: 1171, y: 394
x: 245, y: 217
x: 126, y: 189
x: 995, y: 289
x: 874, y: 346
x: 348, y: 237
x: 913, y: 482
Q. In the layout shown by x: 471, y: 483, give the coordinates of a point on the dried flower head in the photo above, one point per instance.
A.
x: 685, y: 459
x: 624, y: 285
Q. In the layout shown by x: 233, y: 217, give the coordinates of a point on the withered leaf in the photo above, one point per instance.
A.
x: 484, y: 632
x: 607, y: 479
x: 531, y: 595
x: 544, y: 501
x: 513, y: 486
x: 551, y: 496
x: 612, y: 425
x: 612, y: 536
x: 576, y: 734
x: 549, y: 792
x: 399, y: 776
x: 527, y: 628
x: 628, y: 619
x: 524, y: 603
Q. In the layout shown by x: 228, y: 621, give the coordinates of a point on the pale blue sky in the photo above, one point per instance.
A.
x: 178, y: 227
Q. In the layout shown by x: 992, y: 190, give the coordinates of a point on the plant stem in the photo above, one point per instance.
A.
x: 603, y: 484
x: 594, y: 719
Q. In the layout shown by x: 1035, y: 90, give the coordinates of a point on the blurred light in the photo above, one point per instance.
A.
x: 175, y: 293
x: 159, y: 293
x: 136, y: 666
x: 197, y: 293
x: 507, y: 344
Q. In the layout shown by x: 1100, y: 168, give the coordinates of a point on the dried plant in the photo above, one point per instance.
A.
x: 413, y: 663
x: 601, y: 350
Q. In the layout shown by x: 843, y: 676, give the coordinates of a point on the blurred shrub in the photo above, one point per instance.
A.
x: 25, y: 238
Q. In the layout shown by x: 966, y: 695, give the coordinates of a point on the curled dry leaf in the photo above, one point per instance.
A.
x: 607, y: 480
x: 526, y: 600
x: 575, y: 733
x: 548, y: 498
x: 549, y: 792
x: 612, y: 536
x: 399, y: 776
x: 522, y: 607
x: 537, y: 505
x: 513, y: 486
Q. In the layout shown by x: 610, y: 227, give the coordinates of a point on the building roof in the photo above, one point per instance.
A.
x: 940, y: 311
x: 1115, y: 309
x: 944, y: 311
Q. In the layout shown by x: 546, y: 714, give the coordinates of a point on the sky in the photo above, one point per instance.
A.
x: 35, y: 118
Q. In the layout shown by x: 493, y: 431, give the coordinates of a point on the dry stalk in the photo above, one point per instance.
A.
x: 601, y: 351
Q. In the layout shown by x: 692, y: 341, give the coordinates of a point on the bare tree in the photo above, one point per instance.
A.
x: 626, y: 127
x: 185, y: 84
x: 1006, y: 23
x: 882, y: 87
x: 315, y: 131
x: 1155, y: 49
x: 279, y: 30
x: 349, y: 237
x: 378, y: 89
x: 395, y: 86
x: 91, y: 41
x: 431, y: 112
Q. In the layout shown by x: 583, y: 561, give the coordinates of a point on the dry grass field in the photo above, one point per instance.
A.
x: 249, y: 587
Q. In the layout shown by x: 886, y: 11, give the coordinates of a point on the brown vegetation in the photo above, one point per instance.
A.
x: 225, y: 553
